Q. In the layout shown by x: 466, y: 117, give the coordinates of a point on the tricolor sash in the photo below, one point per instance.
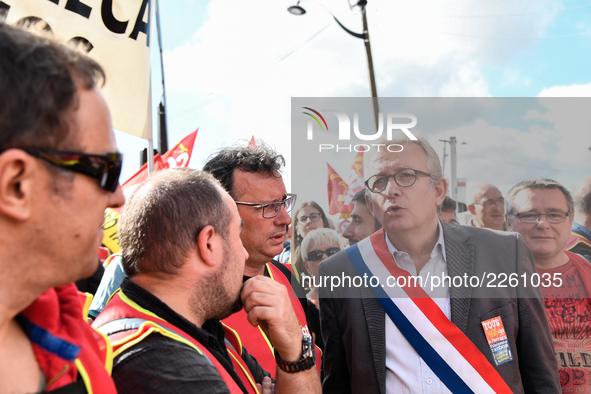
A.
x: 442, y: 345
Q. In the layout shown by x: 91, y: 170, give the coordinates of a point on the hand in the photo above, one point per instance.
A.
x: 268, y: 387
x: 268, y: 305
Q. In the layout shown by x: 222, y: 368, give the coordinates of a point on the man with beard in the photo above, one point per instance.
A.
x: 182, y: 253
x: 362, y: 224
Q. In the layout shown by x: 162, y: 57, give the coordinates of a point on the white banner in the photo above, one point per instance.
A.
x: 116, y: 32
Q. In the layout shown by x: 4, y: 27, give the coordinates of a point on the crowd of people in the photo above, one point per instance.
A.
x: 209, y: 294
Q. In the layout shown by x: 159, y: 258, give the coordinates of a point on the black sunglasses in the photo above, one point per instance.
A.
x: 315, y: 255
x: 105, y: 168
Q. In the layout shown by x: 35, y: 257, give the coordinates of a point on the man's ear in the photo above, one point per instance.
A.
x: 472, y: 209
x: 208, y: 245
x: 508, y: 222
x: 440, y: 188
x: 17, y: 179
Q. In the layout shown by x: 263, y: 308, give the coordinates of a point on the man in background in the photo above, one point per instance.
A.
x: 541, y: 210
x: 580, y: 239
x: 252, y: 177
x: 362, y: 224
x: 487, y: 207
x: 59, y: 171
x: 448, y: 211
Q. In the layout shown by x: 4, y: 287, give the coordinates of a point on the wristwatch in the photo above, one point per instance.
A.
x: 307, y: 361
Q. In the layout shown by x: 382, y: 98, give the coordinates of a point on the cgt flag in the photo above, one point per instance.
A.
x: 339, y: 197
x: 179, y: 156
x: 116, y: 33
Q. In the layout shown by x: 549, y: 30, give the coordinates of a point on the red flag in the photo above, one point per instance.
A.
x: 338, y: 193
x: 358, y: 164
x: 178, y: 156
x: 356, y: 182
x: 252, y: 143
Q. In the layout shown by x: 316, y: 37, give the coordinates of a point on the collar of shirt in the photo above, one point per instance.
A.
x: 435, y: 267
x: 438, y: 251
x: 577, y: 228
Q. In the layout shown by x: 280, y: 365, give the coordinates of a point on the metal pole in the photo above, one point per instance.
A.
x: 372, y: 79
x: 454, y: 177
x: 163, y: 134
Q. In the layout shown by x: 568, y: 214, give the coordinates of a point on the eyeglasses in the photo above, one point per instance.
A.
x: 272, y: 209
x: 403, y: 178
x: 105, y: 168
x: 313, y: 217
x: 490, y: 203
x: 315, y: 255
x: 534, y: 217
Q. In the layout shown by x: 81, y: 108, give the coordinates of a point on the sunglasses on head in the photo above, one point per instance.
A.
x: 104, y: 168
x: 315, y: 255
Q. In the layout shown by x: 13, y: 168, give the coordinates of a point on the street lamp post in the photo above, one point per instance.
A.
x: 454, y: 161
x: 299, y: 10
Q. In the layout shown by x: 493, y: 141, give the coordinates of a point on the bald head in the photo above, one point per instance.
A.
x: 487, y: 207
x: 582, y: 199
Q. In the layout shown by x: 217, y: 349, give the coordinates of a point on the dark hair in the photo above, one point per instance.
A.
x: 259, y: 159
x: 360, y: 197
x: 39, y: 78
x: 448, y: 204
x: 536, y: 183
x: 163, y: 217
x: 582, y: 195
x: 298, y: 263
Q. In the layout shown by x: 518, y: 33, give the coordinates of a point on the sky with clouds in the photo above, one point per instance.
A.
x: 232, y: 67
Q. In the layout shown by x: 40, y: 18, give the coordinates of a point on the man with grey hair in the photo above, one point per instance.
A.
x: 580, y: 239
x: 386, y: 335
x: 184, y: 260
x: 541, y: 210
x: 487, y: 207
x: 362, y: 224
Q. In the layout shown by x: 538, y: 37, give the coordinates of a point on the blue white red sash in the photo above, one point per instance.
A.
x: 443, y: 346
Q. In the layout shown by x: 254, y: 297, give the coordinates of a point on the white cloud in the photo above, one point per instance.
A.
x: 583, y: 90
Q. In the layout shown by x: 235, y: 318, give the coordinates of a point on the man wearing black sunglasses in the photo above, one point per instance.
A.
x: 59, y: 171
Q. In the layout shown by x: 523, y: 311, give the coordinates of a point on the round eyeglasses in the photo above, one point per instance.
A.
x: 403, y: 178
x: 534, y: 217
x: 272, y: 209
x: 313, y: 217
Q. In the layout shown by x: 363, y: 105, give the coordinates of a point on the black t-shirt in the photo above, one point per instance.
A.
x: 159, y: 364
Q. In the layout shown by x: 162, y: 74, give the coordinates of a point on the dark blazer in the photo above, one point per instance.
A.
x: 353, y: 322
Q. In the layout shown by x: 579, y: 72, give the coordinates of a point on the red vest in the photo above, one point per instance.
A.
x: 121, y: 307
x: 576, y: 239
x: 255, y: 340
x: 56, y: 317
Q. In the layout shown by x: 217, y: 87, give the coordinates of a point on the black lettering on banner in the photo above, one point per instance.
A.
x: 111, y: 23
x: 81, y: 43
x: 140, y: 25
x: 78, y: 7
x: 55, y: 1
x: 4, y: 8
